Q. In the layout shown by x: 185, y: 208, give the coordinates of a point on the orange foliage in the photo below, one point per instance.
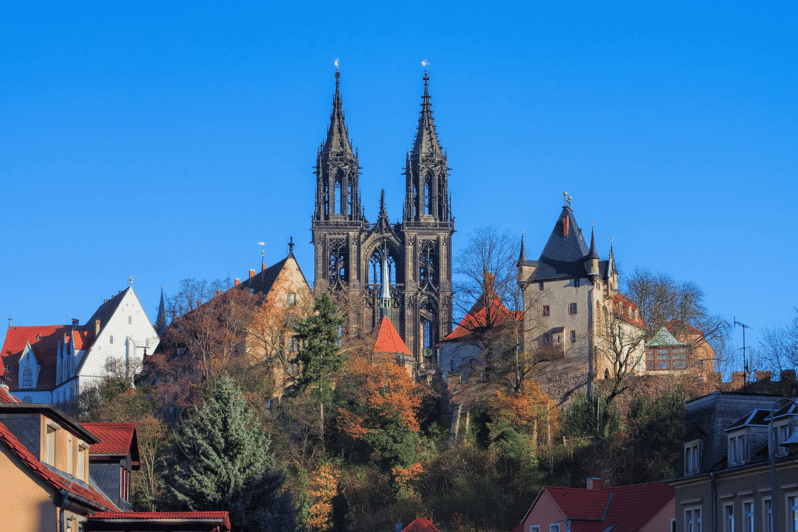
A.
x: 403, y: 475
x: 383, y: 392
x: 531, y: 408
x: 322, y: 487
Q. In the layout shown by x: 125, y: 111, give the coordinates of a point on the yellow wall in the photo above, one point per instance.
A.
x: 26, y: 502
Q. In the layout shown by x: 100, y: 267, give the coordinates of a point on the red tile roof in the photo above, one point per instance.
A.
x: 629, y: 508
x: 115, y: 438
x: 6, y: 397
x: 93, y: 496
x: 478, y: 317
x: 220, y: 519
x: 421, y: 524
x: 388, y: 339
x: 44, y: 340
x: 627, y: 311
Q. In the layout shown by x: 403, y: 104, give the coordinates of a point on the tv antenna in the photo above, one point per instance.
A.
x: 745, y: 362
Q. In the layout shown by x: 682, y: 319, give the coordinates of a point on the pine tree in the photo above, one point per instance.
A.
x: 319, y: 351
x: 224, y: 464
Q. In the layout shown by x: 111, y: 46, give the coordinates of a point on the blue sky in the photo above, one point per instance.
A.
x: 163, y: 141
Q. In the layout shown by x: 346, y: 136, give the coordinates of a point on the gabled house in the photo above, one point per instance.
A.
x: 113, y: 459
x: 676, y: 348
x: 645, y: 507
x: 54, y: 363
x: 44, y: 463
x: 420, y: 524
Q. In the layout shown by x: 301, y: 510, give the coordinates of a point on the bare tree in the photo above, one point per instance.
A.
x: 779, y: 346
x: 620, y: 346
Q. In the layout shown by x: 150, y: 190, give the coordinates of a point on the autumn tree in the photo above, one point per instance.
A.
x: 530, y: 410
x: 380, y: 404
x: 223, y: 463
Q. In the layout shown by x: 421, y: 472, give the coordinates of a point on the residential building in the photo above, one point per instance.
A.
x: 158, y: 521
x: 645, y: 507
x: 667, y: 354
x: 411, y: 258
x: 53, y: 363
x: 113, y: 459
x: 723, y: 480
x: 419, y: 524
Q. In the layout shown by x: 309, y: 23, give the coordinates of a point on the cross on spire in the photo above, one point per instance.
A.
x: 291, y: 242
x: 131, y: 281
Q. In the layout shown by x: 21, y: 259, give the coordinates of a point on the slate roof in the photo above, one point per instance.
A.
x: 88, y: 493
x: 758, y: 417
x: 263, y: 281
x: 44, y: 341
x: 619, y: 508
x: 388, y: 339
x: 564, y: 255
x: 420, y: 524
x: 115, y: 439
x: 218, y: 520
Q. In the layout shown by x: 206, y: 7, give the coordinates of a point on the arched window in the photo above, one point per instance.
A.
x: 338, y: 198
x: 428, y: 195
x: 326, y: 198
x: 414, y: 203
x: 349, y: 196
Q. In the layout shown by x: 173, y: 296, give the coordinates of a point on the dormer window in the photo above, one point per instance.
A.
x: 781, y: 433
x: 27, y: 378
x: 692, y: 457
x: 737, y: 448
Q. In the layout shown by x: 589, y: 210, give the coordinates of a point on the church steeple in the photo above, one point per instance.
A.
x: 337, y: 170
x: 427, y: 195
x: 160, y: 321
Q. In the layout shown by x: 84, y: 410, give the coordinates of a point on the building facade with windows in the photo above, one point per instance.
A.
x: 574, y: 318
x: 723, y: 482
x: 410, y: 261
x: 53, y: 363
x: 675, y: 349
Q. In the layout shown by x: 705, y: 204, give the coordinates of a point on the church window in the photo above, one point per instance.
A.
x: 428, y: 264
x: 27, y: 378
x: 326, y: 199
x: 415, y: 200
x: 338, y: 196
x: 572, y: 308
x: 573, y: 336
x: 349, y: 196
x: 427, y: 326
x: 130, y: 320
x: 546, y: 310
x: 428, y: 196
x: 338, y: 262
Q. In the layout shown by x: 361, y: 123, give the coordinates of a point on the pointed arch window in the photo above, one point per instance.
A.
x: 349, y: 196
x: 428, y: 194
x: 338, y: 199
x: 338, y: 263
x: 415, y: 200
x: 428, y: 264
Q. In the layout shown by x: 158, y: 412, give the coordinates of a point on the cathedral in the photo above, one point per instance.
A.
x: 402, y: 270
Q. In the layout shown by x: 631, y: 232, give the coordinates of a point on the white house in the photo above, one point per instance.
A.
x: 54, y: 363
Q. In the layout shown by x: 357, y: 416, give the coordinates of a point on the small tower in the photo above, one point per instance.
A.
x: 160, y: 321
x: 592, y: 259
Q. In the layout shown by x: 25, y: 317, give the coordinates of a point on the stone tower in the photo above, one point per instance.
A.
x: 402, y: 271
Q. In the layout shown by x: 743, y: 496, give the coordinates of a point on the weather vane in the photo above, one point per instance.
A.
x: 425, y: 62
x: 336, y: 63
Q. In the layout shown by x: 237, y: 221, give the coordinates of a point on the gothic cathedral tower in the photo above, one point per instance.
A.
x: 402, y: 270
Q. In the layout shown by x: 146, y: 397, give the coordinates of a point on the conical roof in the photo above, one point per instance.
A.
x: 565, y: 252
x: 160, y: 321
x: 426, y: 137
x: 388, y: 339
x: 337, y: 141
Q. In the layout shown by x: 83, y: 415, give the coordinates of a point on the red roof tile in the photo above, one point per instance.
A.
x: 220, y: 519
x: 388, y: 339
x: 420, y: 524
x: 44, y: 340
x: 6, y: 397
x: 96, y: 498
x: 629, y: 508
x: 478, y: 317
x: 115, y: 438
x: 627, y: 311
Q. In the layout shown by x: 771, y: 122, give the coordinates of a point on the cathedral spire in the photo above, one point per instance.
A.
x: 160, y: 321
x: 522, y: 255
x: 337, y: 141
x: 426, y: 137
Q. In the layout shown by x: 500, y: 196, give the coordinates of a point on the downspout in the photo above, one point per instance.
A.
x: 61, y: 519
x: 714, y: 505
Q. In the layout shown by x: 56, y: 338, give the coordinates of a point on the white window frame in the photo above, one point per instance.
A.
x: 554, y: 527
x: 767, y: 514
x: 791, y: 512
x: 689, y: 515
x: 534, y: 528
x: 749, y: 524
x: 692, y: 457
x: 728, y: 517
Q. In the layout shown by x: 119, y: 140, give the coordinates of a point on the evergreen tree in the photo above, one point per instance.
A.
x: 319, y: 351
x: 224, y: 464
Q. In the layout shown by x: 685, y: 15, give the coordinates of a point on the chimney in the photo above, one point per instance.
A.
x: 251, y: 274
x: 594, y: 483
x: 74, y: 324
x: 236, y: 281
x: 96, y: 327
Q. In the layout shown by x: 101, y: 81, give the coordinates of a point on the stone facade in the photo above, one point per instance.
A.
x: 404, y: 268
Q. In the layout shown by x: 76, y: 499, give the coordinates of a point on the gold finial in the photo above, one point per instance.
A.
x: 336, y: 63
x: 592, y: 223
x: 425, y: 62
x: 570, y: 198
